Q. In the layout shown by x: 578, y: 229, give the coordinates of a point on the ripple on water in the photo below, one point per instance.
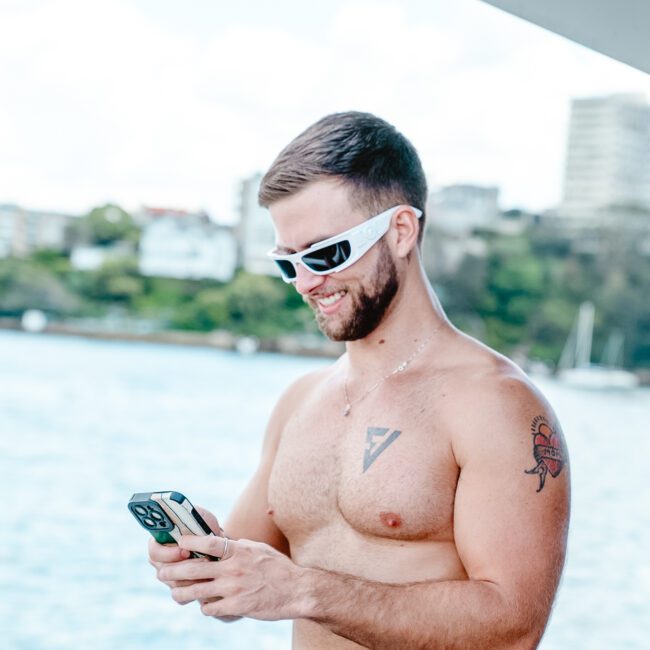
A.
x: 86, y: 423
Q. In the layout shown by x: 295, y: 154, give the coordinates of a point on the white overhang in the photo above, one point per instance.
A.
x: 618, y: 28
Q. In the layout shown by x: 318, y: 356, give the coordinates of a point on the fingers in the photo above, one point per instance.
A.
x: 213, y: 599
x: 172, y: 584
x: 204, y: 592
x: 183, y: 583
x: 195, y: 570
x: 166, y: 553
x: 210, y: 603
x: 211, y: 520
x: 219, y: 608
x: 219, y: 547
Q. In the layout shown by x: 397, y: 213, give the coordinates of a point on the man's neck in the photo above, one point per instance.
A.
x: 414, y: 316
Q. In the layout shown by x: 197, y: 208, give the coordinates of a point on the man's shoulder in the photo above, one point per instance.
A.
x: 294, y: 397
x: 479, y: 368
x: 488, y: 394
x: 315, y: 378
x: 306, y: 385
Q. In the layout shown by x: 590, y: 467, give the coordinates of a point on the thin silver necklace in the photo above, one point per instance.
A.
x: 401, y: 368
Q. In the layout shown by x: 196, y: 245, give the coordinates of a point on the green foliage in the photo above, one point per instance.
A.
x: 26, y: 285
x: 162, y: 297
x: 527, y: 291
x: 117, y: 281
x: 249, y: 305
x: 105, y: 225
x: 521, y: 297
x: 53, y: 261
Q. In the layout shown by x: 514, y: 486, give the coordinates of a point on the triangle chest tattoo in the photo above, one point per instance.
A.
x: 378, y: 439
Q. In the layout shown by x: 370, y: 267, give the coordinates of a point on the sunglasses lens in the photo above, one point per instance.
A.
x: 287, y: 269
x: 328, y: 257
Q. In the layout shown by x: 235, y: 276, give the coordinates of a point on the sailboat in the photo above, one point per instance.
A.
x: 575, y: 367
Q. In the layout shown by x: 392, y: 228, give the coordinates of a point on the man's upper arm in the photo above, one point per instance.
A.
x: 249, y: 518
x: 512, y: 500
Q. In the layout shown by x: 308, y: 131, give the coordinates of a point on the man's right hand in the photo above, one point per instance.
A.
x: 161, y: 555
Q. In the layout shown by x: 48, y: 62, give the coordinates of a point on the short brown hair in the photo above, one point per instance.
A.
x: 372, y: 156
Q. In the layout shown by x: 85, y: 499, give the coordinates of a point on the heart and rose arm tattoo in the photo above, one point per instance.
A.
x: 548, y: 450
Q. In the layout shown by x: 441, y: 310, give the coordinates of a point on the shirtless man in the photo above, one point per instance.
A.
x: 415, y: 493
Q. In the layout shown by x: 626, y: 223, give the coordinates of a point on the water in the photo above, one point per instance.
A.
x: 83, y: 424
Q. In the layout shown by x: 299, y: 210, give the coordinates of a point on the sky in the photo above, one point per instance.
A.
x: 161, y: 103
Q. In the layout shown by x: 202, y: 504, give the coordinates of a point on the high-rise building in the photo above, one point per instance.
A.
x: 256, y: 234
x: 608, y: 157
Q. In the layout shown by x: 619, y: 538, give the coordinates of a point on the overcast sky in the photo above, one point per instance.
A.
x: 171, y: 103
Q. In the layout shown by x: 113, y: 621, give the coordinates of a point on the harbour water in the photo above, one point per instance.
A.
x: 84, y: 424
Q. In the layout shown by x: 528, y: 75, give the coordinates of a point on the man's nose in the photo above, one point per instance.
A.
x: 307, y: 281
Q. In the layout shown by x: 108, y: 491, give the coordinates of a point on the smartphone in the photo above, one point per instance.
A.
x: 167, y: 516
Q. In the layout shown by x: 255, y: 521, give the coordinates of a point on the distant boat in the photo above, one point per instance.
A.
x: 576, y: 368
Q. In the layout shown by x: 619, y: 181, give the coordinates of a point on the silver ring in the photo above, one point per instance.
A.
x: 225, y: 548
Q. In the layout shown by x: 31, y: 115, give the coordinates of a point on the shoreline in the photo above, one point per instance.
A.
x: 296, y: 345
x: 300, y: 345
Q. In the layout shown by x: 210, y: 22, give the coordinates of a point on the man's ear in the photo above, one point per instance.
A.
x: 406, y: 231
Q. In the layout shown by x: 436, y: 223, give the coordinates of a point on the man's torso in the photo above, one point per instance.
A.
x: 370, y: 494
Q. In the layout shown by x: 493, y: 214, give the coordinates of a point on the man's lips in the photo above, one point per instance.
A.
x: 328, y: 302
x: 331, y: 298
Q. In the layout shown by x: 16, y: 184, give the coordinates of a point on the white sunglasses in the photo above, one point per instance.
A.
x: 340, y: 251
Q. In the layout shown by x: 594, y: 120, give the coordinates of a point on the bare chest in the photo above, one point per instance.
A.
x: 386, y: 470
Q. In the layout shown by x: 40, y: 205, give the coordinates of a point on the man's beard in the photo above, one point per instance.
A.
x: 369, y: 306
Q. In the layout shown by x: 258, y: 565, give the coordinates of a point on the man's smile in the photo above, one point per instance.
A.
x: 328, y: 301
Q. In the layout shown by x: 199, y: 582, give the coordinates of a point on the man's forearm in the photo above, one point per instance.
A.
x: 445, y: 614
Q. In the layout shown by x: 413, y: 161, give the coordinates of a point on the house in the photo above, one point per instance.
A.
x: 178, y: 244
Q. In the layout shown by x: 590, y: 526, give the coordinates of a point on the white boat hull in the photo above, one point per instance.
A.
x: 599, y: 377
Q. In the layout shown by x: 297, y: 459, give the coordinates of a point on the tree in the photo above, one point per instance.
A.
x: 105, y: 225
x: 250, y: 305
x: 26, y: 285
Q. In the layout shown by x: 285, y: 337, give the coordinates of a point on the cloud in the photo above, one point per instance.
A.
x: 105, y: 102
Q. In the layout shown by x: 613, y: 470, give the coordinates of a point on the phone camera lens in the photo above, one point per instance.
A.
x: 156, y: 515
x: 150, y: 523
x: 140, y: 510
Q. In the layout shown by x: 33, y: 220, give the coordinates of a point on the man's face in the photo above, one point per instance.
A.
x: 368, y: 303
x: 350, y: 304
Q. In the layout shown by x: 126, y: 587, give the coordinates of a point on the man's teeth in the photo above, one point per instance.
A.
x: 330, y: 300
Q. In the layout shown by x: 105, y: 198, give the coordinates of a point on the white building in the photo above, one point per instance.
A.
x: 10, y: 227
x: 24, y: 231
x: 91, y: 258
x: 460, y: 209
x: 187, y: 246
x: 256, y: 234
x: 608, y: 156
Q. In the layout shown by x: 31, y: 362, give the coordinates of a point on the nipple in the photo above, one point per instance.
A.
x: 390, y: 519
x: 269, y: 511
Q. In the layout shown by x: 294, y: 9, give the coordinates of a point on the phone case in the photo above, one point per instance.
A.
x: 167, y: 516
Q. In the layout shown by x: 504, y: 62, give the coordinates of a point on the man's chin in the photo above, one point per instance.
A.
x: 338, y: 331
x: 334, y: 335
x: 333, y: 331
